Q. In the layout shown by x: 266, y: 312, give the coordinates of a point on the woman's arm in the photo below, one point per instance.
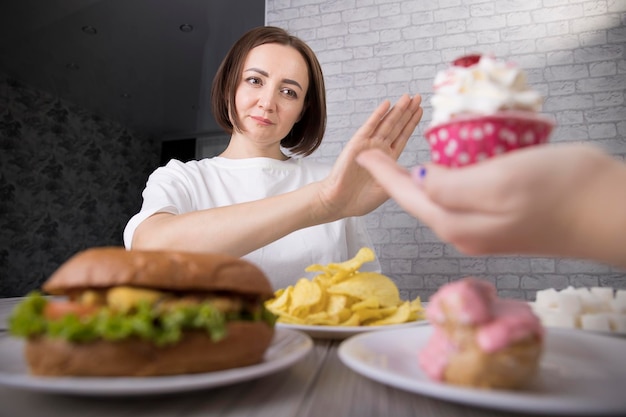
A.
x: 560, y: 200
x: 242, y: 228
x: 237, y: 229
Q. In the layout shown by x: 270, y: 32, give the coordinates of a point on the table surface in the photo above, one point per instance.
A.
x: 318, y: 385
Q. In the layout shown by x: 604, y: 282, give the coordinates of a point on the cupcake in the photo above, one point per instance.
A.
x: 480, y: 340
x: 483, y: 107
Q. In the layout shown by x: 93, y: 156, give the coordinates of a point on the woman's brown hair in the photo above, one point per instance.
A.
x: 306, y: 135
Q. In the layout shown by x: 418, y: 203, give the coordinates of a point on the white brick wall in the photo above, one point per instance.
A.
x: 573, y: 50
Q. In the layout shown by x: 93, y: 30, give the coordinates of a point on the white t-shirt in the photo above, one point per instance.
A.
x: 215, y: 182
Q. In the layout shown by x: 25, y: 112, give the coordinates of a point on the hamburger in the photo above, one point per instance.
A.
x: 145, y: 313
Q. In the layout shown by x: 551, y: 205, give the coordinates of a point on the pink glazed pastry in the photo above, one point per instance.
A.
x: 480, y: 340
x: 483, y: 107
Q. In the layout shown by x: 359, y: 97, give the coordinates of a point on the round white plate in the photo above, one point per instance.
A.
x: 287, y: 348
x: 580, y: 373
x: 343, y: 332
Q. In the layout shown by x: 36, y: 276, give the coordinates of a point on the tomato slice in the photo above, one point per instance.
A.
x: 55, y: 310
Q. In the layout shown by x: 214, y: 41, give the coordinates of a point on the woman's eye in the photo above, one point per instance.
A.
x: 289, y: 92
x: 253, y: 80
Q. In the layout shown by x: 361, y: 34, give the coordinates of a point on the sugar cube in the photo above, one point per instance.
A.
x: 569, y: 302
x: 618, y: 305
x: 598, y: 322
x: 603, y: 293
x: 547, y: 298
x: 554, y: 318
x: 618, y: 323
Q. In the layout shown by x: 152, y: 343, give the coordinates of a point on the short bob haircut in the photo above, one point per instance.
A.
x: 306, y: 135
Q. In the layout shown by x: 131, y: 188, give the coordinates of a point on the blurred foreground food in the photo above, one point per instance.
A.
x: 342, y: 296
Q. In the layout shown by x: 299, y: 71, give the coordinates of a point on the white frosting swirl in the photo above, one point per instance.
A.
x: 484, y: 88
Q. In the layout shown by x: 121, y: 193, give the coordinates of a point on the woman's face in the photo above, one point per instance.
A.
x: 270, y: 96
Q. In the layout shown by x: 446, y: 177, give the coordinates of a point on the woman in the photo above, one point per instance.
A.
x: 257, y: 199
x: 558, y: 200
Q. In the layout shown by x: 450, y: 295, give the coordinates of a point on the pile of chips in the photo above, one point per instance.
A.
x: 342, y: 296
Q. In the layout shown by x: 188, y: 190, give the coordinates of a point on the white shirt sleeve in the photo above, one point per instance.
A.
x: 167, y: 191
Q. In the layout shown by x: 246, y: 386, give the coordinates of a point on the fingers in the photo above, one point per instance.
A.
x: 383, y: 167
x: 397, y: 182
x: 490, y: 185
x: 392, y: 122
x: 481, y: 187
x: 393, y: 125
x: 400, y: 122
x: 401, y: 140
x: 372, y: 122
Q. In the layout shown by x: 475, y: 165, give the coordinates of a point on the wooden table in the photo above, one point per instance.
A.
x: 318, y: 385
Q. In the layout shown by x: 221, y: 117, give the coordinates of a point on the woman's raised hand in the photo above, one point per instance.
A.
x: 350, y: 190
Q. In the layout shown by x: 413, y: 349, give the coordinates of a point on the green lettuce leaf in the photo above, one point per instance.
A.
x: 162, y: 327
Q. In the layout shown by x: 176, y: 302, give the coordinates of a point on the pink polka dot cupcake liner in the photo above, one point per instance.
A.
x: 467, y: 140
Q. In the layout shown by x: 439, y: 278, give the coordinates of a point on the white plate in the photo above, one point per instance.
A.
x: 580, y: 373
x: 343, y: 332
x: 596, y: 332
x: 287, y: 348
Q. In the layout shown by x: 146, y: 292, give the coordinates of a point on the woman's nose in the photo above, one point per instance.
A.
x: 267, y: 102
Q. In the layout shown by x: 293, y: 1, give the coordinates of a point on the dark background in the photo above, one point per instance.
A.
x: 85, y: 118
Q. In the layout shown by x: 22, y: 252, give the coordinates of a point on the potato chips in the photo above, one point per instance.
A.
x: 342, y: 296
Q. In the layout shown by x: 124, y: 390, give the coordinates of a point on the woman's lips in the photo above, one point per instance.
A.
x: 262, y: 120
